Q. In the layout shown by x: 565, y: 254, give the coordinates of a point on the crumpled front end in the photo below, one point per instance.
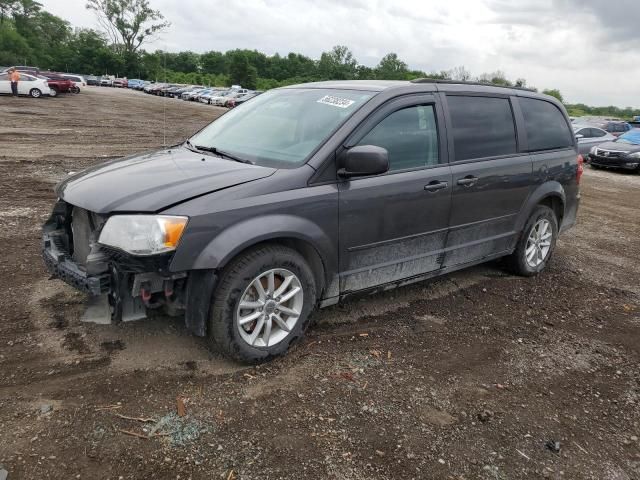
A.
x: 128, y: 285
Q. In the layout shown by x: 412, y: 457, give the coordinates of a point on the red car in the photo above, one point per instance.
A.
x: 58, y: 84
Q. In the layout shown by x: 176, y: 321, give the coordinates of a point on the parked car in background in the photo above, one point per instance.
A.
x: 58, y: 84
x: 219, y: 100
x: 245, y: 98
x: 623, y: 152
x: 589, y: 136
x: 120, y: 82
x: 617, y: 128
x: 106, y: 82
x: 205, y: 97
x: 134, y: 82
x: 30, y: 85
x: 193, y: 94
x: 93, y: 80
x: 78, y: 80
x: 312, y: 193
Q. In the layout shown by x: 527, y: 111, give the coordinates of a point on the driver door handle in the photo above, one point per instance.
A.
x: 468, y: 181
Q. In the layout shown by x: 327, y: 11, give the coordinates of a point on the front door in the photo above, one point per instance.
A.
x: 491, y: 178
x: 393, y: 226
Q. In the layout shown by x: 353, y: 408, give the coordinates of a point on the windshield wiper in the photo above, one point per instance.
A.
x: 218, y: 152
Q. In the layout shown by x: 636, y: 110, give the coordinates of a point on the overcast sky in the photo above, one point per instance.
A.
x: 586, y: 48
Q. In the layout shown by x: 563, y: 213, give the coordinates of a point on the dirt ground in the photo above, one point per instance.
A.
x: 469, y: 376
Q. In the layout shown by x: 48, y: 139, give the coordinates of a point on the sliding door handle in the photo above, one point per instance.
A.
x: 467, y: 181
x: 435, y: 186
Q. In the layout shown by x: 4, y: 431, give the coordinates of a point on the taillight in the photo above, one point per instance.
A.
x: 580, y: 169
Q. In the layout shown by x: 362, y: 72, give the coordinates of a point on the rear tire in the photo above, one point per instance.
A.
x: 536, y: 244
x: 35, y: 93
x: 53, y: 92
x: 273, y: 319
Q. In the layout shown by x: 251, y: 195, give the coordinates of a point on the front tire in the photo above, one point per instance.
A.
x: 536, y: 244
x: 262, y: 304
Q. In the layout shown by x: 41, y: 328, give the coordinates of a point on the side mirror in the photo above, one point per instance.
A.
x: 363, y: 160
x: 579, y: 136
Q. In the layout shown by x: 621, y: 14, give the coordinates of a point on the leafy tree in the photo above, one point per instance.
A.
x: 14, y: 49
x: 128, y: 23
x: 243, y: 73
x: 7, y: 7
x: 554, y: 93
x: 338, y: 64
x: 213, y: 62
x: 391, y: 68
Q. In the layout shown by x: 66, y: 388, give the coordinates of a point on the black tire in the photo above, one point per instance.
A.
x: 517, y: 262
x: 35, y: 93
x: 223, y: 331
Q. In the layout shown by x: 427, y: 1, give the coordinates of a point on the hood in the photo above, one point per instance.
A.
x: 154, y: 181
x: 619, y: 147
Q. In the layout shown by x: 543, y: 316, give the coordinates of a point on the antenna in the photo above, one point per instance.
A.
x: 164, y: 101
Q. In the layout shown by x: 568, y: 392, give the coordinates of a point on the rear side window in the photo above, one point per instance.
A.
x: 596, y: 132
x: 482, y: 127
x: 409, y: 135
x: 546, y: 126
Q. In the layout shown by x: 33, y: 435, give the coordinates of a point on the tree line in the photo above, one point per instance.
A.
x: 29, y: 35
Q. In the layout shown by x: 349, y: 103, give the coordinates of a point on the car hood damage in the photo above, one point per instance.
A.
x: 154, y: 181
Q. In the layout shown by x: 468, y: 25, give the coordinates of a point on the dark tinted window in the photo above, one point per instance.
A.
x: 545, y: 124
x: 596, y: 132
x: 585, y: 132
x: 482, y: 127
x: 409, y: 135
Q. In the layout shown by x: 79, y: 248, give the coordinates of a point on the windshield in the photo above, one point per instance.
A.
x: 281, y: 128
x: 631, y: 137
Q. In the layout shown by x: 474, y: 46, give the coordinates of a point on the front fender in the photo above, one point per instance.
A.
x: 231, y: 241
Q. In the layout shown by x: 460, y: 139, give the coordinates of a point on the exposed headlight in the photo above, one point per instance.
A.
x: 594, y: 150
x: 143, y: 234
x: 634, y: 155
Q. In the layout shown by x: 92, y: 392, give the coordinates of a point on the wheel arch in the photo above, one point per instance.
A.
x: 550, y: 194
x: 298, y: 233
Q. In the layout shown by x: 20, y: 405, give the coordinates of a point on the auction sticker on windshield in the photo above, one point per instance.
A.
x: 336, y: 101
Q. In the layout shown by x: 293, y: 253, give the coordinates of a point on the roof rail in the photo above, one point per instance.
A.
x: 461, y: 82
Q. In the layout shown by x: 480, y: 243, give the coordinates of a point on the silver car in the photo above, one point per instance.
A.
x: 589, y: 136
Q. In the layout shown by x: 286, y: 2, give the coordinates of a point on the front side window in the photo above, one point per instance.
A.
x: 482, y: 127
x: 409, y: 135
x: 546, y: 126
x: 4, y: 77
x: 281, y: 128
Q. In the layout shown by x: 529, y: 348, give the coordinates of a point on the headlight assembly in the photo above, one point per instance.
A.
x: 635, y: 155
x: 143, y: 234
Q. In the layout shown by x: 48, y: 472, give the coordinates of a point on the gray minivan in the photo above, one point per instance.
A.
x: 311, y: 193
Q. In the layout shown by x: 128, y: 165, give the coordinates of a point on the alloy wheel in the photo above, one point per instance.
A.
x: 538, y: 243
x: 269, y: 308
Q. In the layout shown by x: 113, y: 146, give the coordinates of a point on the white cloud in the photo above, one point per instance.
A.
x: 578, y: 46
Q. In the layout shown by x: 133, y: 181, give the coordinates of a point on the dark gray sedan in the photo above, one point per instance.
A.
x: 623, y: 152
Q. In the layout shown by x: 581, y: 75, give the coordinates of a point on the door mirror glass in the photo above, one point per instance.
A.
x: 579, y: 136
x: 364, y: 160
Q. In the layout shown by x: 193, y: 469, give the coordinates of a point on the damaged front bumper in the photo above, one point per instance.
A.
x: 130, y: 284
x: 60, y: 265
x: 126, y: 285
